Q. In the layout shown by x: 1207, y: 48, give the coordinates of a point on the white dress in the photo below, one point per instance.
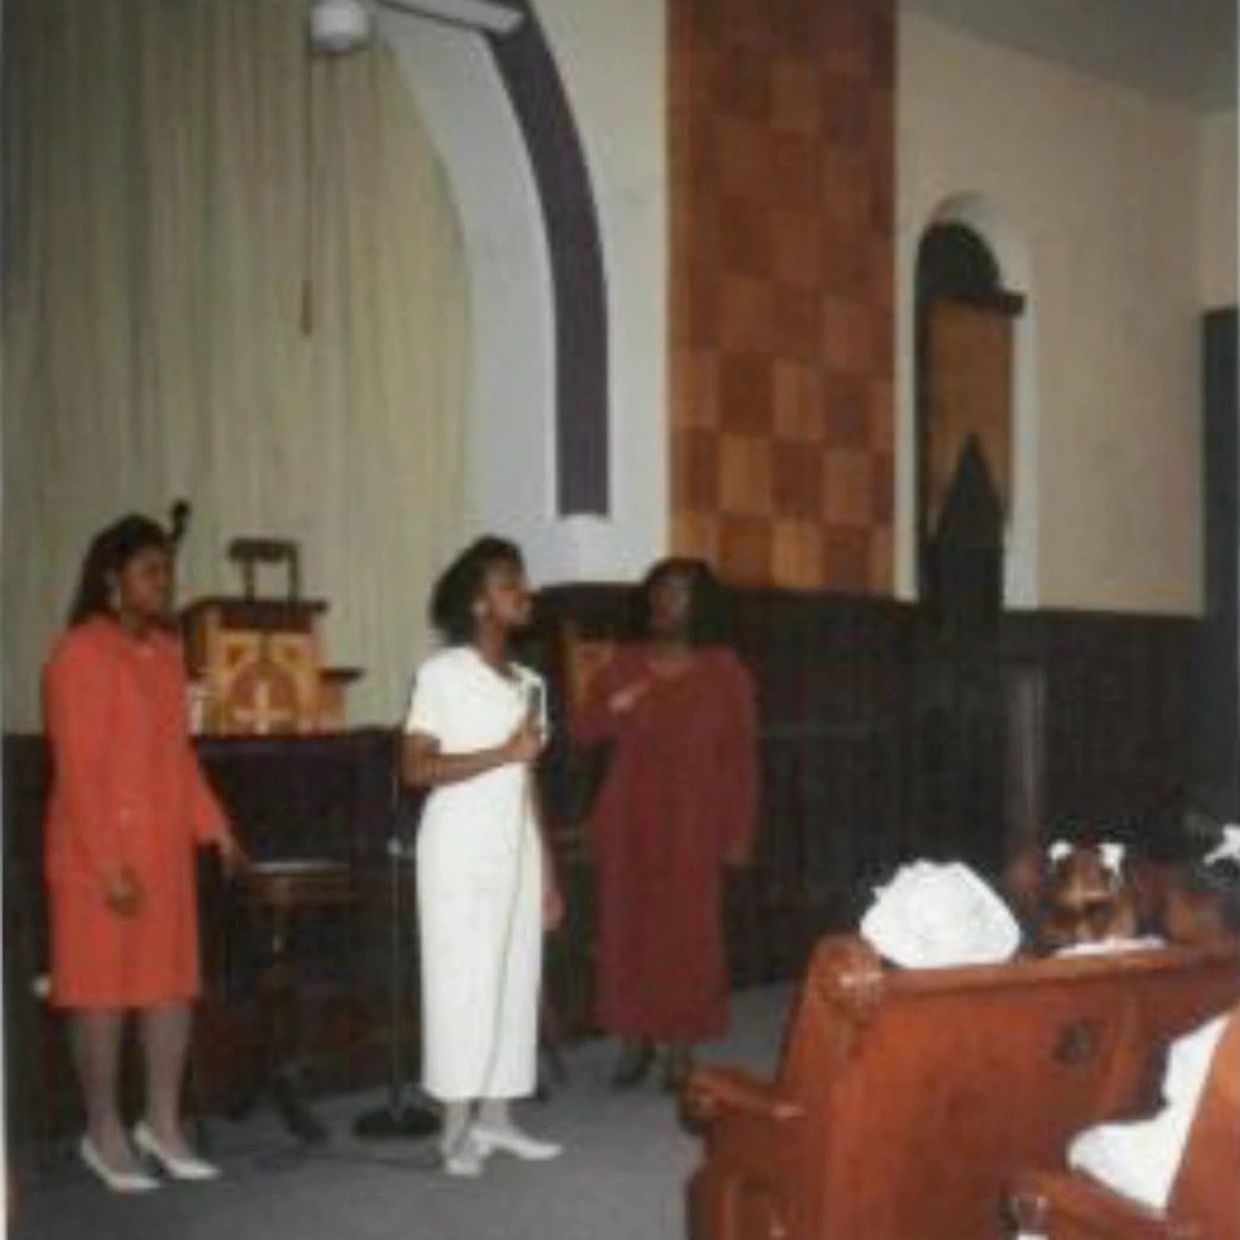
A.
x: 479, y: 887
x: 1141, y: 1159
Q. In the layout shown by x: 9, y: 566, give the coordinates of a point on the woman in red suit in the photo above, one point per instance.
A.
x: 677, y: 806
x: 128, y: 807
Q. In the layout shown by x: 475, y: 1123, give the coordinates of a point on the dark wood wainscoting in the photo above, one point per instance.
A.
x: 1216, y: 663
x: 329, y: 797
x: 1096, y: 732
x: 1115, y: 712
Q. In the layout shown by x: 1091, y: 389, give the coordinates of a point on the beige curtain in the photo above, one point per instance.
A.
x: 165, y: 205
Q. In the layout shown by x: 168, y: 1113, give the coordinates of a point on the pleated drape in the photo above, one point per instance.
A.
x: 164, y: 207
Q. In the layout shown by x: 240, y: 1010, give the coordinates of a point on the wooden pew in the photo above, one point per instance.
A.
x: 906, y: 1100
x: 1205, y: 1197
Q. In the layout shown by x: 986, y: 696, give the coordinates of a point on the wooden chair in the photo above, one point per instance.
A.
x: 280, y: 894
x: 1205, y: 1197
x: 907, y: 1100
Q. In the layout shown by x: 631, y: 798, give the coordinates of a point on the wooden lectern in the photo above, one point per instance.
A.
x: 257, y: 665
x: 258, y: 662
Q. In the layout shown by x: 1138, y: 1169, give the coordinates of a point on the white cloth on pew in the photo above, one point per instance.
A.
x: 1112, y: 947
x: 1140, y: 1159
x: 936, y: 916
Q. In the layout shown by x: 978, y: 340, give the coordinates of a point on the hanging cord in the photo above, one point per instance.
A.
x: 532, y: 694
x: 310, y: 170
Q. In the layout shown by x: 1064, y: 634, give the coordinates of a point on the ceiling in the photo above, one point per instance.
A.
x: 1179, y: 49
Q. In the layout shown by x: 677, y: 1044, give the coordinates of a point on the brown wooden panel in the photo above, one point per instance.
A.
x: 781, y: 138
x: 838, y: 689
x: 1203, y: 1202
x: 314, y: 796
x: 968, y: 376
x: 994, y: 1068
x: 846, y: 790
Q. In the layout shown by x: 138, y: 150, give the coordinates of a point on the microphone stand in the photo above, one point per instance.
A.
x: 399, y: 1119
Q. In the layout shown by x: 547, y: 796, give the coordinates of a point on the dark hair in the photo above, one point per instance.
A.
x: 452, y: 600
x: 110, y: 550
x: 1220, y: 879
x: 707, y: 609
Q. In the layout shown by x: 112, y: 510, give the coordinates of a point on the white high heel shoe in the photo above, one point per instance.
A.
x: 465, y: 1158
x: 192, y: 1168
x: 515, y: 1142
x: 116, y: 1181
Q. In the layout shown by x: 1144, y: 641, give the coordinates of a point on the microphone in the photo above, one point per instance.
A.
x: 534, y: 701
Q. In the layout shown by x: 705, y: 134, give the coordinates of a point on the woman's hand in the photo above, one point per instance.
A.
x: 234, y: 860
x: 123, y: 892
x: 623, y: 700
x: 553, y: 907
x: 526, y: 743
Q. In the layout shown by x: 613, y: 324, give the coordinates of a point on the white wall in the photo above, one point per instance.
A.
x: 611, y: 57
x: 1217, y: 138
x: 1096, y: 185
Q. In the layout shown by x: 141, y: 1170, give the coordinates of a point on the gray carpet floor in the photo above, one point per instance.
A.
x: 622, y: 1176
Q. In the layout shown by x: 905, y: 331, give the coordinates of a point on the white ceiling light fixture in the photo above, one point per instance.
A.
x: 339, y: 26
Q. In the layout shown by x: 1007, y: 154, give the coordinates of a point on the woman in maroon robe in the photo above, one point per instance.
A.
x: 677, y: 806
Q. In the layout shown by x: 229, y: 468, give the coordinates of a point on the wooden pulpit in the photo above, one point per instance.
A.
x: 256, y: 664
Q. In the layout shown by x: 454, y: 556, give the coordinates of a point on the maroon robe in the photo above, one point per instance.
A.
x: 677, y: 802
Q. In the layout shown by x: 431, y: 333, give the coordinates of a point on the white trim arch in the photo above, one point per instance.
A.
x: 511, y: 464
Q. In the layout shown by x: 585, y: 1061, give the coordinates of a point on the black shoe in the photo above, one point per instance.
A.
x: 635, y: 1061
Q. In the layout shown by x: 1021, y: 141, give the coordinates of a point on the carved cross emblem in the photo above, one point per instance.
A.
x: 265, y: 713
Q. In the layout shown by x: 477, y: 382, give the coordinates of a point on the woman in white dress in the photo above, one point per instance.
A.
x: 486, y: 889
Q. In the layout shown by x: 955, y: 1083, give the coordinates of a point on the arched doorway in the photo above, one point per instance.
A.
x: 965, y: 357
